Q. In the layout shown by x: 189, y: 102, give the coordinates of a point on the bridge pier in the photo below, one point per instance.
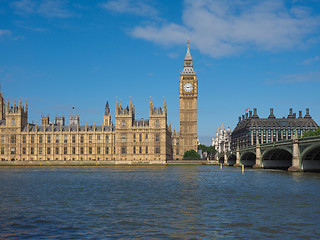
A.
x: 225, y: 159
x: 295, y: 157
x: 238, y: 164
x: 258, y: 157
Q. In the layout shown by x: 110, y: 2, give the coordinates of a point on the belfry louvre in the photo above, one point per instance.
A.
x: 126, y: 141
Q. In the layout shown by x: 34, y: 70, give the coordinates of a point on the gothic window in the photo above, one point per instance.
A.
x: 140, y: 150
x: 81, y: 139
x: 107, y: 139
x: 177, y: 151
x: 13, y: 150
x: 140, y: 137
x: 13, y: 122
x: 32, y: 139
x: 73, y: 139
x: 98, y: 150
x: 123, y: 123
x: 98, y: 138
x: 57, y: 139
x: 48, y: 140
x: 32, y: 151
x: 2, y: 150
x: 157, y: 137
x: 134, y: 150
x: 65, y: 140
x: 73, y: 150
x: 134, y: 137
x: 146, y: 149
x: 24, y: 139
x: 40, y: 139
x: 40, y: 150
x: 48, y: 150
x: 147, y: 137
x: 24, y: 150
x: 90, y: 150
x: 124, y: 150
x: 157, y: 150
x: 90, y: 138
x: 13, y: 138
x: 157, y: 123
x: 65, y: 150
x: 57, y: 150
x: 81, y: 150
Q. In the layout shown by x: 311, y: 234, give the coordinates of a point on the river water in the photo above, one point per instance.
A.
x: 157, y: 202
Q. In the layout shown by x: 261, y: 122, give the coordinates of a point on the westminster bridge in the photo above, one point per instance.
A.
x: 297, y: 154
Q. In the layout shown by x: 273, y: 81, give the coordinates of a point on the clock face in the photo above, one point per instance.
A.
x: 188, y: 87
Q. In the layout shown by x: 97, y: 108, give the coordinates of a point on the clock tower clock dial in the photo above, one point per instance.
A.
x: 188, y: 92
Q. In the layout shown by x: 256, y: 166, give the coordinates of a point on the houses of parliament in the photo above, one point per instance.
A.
x: 127, y: 141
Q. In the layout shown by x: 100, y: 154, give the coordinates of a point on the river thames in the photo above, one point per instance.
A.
x: 157, y: 202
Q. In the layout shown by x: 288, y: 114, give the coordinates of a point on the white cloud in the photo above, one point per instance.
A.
x: 4, y: 32
x: 46, y: 8
x: 137, y: 7
x: 221, y: 28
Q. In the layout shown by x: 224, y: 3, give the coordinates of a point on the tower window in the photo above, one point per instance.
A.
x: 123, y: 138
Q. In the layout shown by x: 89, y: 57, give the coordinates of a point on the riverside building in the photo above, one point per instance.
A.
x: 251, y: 128
x: 126, y: 141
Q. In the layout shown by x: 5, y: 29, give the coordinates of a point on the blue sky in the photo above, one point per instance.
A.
x: 58, y: 54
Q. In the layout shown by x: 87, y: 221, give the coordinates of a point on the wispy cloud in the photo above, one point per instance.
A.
x: 4, y: 32
x: 222, y: 28
x: 137, y: 7
x: 311, y: 60
x: 295, y: 78
x: 45, y: 8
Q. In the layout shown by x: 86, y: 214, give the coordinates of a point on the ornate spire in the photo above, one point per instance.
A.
x: 188, y: 55
x: 188, y: 63
x: 107, y: 109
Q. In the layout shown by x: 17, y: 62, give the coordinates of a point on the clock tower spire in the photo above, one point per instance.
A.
x: 188, y: 92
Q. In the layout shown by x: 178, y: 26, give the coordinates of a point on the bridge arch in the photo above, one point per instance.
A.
x: 248, y: 159
x: 231, y: 160
x: 279, y: 157
x: 221, y: 159
x: 310, y: 158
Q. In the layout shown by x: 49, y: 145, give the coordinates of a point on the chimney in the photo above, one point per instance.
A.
x: 290, y: 113
x: 307, y: 113
x: 255, y: 115
x: 294, y: 115
x: 242, y: 117
x: 246, y: 115
x: 239, y: 119
x: 271, y: 113
x: 250, y: 113
x: 300, y: 114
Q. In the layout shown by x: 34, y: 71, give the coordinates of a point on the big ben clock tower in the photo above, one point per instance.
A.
x: 188, y: 92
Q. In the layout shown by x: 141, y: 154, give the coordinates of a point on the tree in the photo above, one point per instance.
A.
x: 191, y: 154
x: 312, y: 133
x: 209, y: 150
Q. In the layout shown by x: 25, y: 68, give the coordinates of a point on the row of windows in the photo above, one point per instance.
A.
x: 56, y: 139
x: 73, y: 139
x: 57, y: 150
x: 98, y: 151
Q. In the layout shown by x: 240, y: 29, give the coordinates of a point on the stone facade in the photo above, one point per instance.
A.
x: 251, y: 128
x: 222, y: 140
x: 128, y: 141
